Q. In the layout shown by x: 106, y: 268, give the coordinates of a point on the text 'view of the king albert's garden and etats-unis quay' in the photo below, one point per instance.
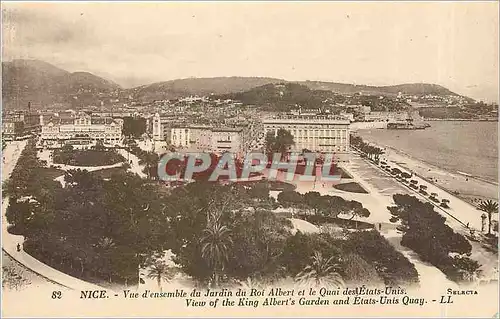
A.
x: 224, y: 183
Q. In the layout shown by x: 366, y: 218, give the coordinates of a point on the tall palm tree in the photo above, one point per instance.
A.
x: 322, y: 270
x: 489, y: 207
x: 215, y: 245
x: 377, y: 151
x: 160, y: 272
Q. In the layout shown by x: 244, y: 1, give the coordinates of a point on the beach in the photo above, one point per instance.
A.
x: 470, y: 188
x: 459, y: 157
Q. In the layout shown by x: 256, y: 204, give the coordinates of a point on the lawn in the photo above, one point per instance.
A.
x: 351, y: 187
x: 49, y: 172
x: 87, y: 157
x: 108, y: 172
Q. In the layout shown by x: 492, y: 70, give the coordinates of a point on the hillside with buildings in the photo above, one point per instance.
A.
x: 197, y: 86
x: 45, y: 85
x: 286, y: 95
x: 407, y: 89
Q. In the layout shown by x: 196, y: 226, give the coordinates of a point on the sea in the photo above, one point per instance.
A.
x: 456, y: 146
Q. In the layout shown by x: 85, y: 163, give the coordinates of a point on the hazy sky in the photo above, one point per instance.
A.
x: 452, y: 44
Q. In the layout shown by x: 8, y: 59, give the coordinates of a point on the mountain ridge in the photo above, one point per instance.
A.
x: 42, y: 83
x: 45, y: 84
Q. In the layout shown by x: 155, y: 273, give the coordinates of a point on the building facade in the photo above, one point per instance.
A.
x: 228, y: 136
x: 386, y: 116
x: 80, y: 130
x: 227, y: 140
x: 317, y: 133
x: 20, y: 125
x: 180, y: 136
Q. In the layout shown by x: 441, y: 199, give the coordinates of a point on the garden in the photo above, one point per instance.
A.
x: 425, y: 232
x: 219, y: 235
x: 93, y: 157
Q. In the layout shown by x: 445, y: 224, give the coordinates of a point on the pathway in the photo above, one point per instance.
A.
x: 387, y: 185
x: 135, y: 167
x: 381, y: 188
x: 459, y: 209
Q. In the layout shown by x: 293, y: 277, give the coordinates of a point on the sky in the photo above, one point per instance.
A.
x: 375, y: 43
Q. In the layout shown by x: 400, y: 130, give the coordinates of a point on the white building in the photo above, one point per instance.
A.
x: 201, y: 137
x: 180, y: 136
x: 227, y: 140
x: 317, y: 133
x: 233, y: 136
x: 80, y: 130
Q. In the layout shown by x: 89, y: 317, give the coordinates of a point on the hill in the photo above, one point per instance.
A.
x: 197, y: 86
x: 281, y: 96
x: 409, y: 89
x: 44, y: 84
x: 227, y: 85
x: 288, y: 95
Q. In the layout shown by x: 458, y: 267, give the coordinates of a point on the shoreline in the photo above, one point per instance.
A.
x: 435, y: 167
x: 468, y: 187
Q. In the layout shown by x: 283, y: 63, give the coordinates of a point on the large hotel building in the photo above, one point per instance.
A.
x: 81, y: 130
x: 230, y: 137
x: 314, y: 132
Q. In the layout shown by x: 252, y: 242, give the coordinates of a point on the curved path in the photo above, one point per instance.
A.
x: 9, y: 241
x: 135, y: 167
x: 385, y: 185
x: 377, y: 203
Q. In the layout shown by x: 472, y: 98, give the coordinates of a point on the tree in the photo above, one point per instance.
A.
x: 160, y: 272
x: 67, y: 148
x: 390, y: 264
x: 358, y: 271
x: 215, y: 245
x: 290, y: 198
x: 258, y: 241
x: 279, y: 143
x: 426, y: 233
x: 356, y: 209
x: 322, y: 271
x: 150, y: 161
x: 134, y: 126
x: 99, y: 146
x: 312, y: 199
x: 468, y: 269
x: 489, y: 207
x: 377, y: 152
x: 19, y: 214
x: 259, y: 191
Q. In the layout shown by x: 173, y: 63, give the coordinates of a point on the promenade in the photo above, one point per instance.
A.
x: 458, y: 215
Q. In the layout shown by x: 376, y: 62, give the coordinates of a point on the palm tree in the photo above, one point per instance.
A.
x: 323, y: 271
x: 161, y: 272
x: 105, y: 247
x: 377, y: 151
x: 215, y: 245
x: 250, y: 283
x: 489, y: 207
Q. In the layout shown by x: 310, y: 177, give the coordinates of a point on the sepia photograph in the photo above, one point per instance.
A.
x: 250, y: 159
